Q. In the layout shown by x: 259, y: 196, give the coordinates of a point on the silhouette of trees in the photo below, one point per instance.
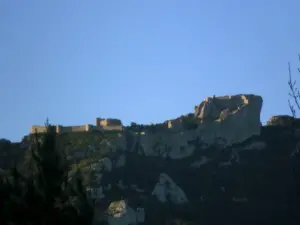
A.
x: 42, y: 195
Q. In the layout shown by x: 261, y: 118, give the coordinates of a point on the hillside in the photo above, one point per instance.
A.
x: 216, y: 166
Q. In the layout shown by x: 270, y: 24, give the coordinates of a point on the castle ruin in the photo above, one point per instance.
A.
x: 100, y: 125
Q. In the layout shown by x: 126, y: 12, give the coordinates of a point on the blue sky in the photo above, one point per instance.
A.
x: 140, y: 60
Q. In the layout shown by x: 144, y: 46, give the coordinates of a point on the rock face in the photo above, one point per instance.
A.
x: 165, y: 188
x: 167, y: 144
x: 227, y: 119
x: 245, y: 183
x: 232, y: 118
x: 119, y: 213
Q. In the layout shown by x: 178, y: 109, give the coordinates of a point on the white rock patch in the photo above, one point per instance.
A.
x: 119, y: 213
x: 167, y: 187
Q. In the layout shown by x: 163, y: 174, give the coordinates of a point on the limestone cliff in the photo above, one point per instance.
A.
x: 252, y: 181
x: 227, y: 119
x: 232, y: 118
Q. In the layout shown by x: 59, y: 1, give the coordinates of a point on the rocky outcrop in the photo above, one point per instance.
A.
x: 168, y: 144
x: 166, y: 190
x: 242, y: 183
x: 231, y: 118
x: 227, y: 120
x: 284, y: 120
x: 120, y: 213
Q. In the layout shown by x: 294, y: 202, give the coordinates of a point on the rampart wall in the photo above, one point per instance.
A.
x: 111, y: 125
x: 101, y: 124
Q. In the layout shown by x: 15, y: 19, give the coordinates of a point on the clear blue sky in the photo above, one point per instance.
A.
x: 140, y: 60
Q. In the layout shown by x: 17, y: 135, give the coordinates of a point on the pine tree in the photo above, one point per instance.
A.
x: 44, y: 196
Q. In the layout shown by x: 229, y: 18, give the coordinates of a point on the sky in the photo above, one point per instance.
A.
x: 143, y: 61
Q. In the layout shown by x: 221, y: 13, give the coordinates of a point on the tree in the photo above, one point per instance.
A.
x: 294, y: 91
x: 295, y: 106
x: 43, y: 196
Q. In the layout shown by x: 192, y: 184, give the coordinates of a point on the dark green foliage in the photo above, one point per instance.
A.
x: 189, y: 122
x: 42, y: 195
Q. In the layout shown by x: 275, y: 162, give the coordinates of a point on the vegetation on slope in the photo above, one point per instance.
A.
x: 43, y: 196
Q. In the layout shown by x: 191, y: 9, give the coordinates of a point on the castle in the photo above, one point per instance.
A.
x: 100, y: 124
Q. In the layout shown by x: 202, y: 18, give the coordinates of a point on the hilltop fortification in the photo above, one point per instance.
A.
x: 217, y: 160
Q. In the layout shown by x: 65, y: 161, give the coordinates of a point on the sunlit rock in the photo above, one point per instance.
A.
x: 233, y: 118
x: 119, y: 213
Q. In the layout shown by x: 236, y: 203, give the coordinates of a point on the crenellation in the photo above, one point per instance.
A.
x: 101, y: 124
x: 38, y: 129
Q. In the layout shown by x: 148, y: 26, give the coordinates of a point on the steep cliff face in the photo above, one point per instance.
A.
x: 226, y: 120
x: 250, y: 182
x: 232, y: 118
x: 232, y: 172
x: 184, y: 173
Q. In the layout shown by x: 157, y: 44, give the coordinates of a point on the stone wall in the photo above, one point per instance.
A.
x: 38, y: 129
x: 101, y: 124
x: 108, y: 122
x: 60, y: 129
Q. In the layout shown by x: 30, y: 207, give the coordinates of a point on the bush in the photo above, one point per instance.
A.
x: 189, y: 122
